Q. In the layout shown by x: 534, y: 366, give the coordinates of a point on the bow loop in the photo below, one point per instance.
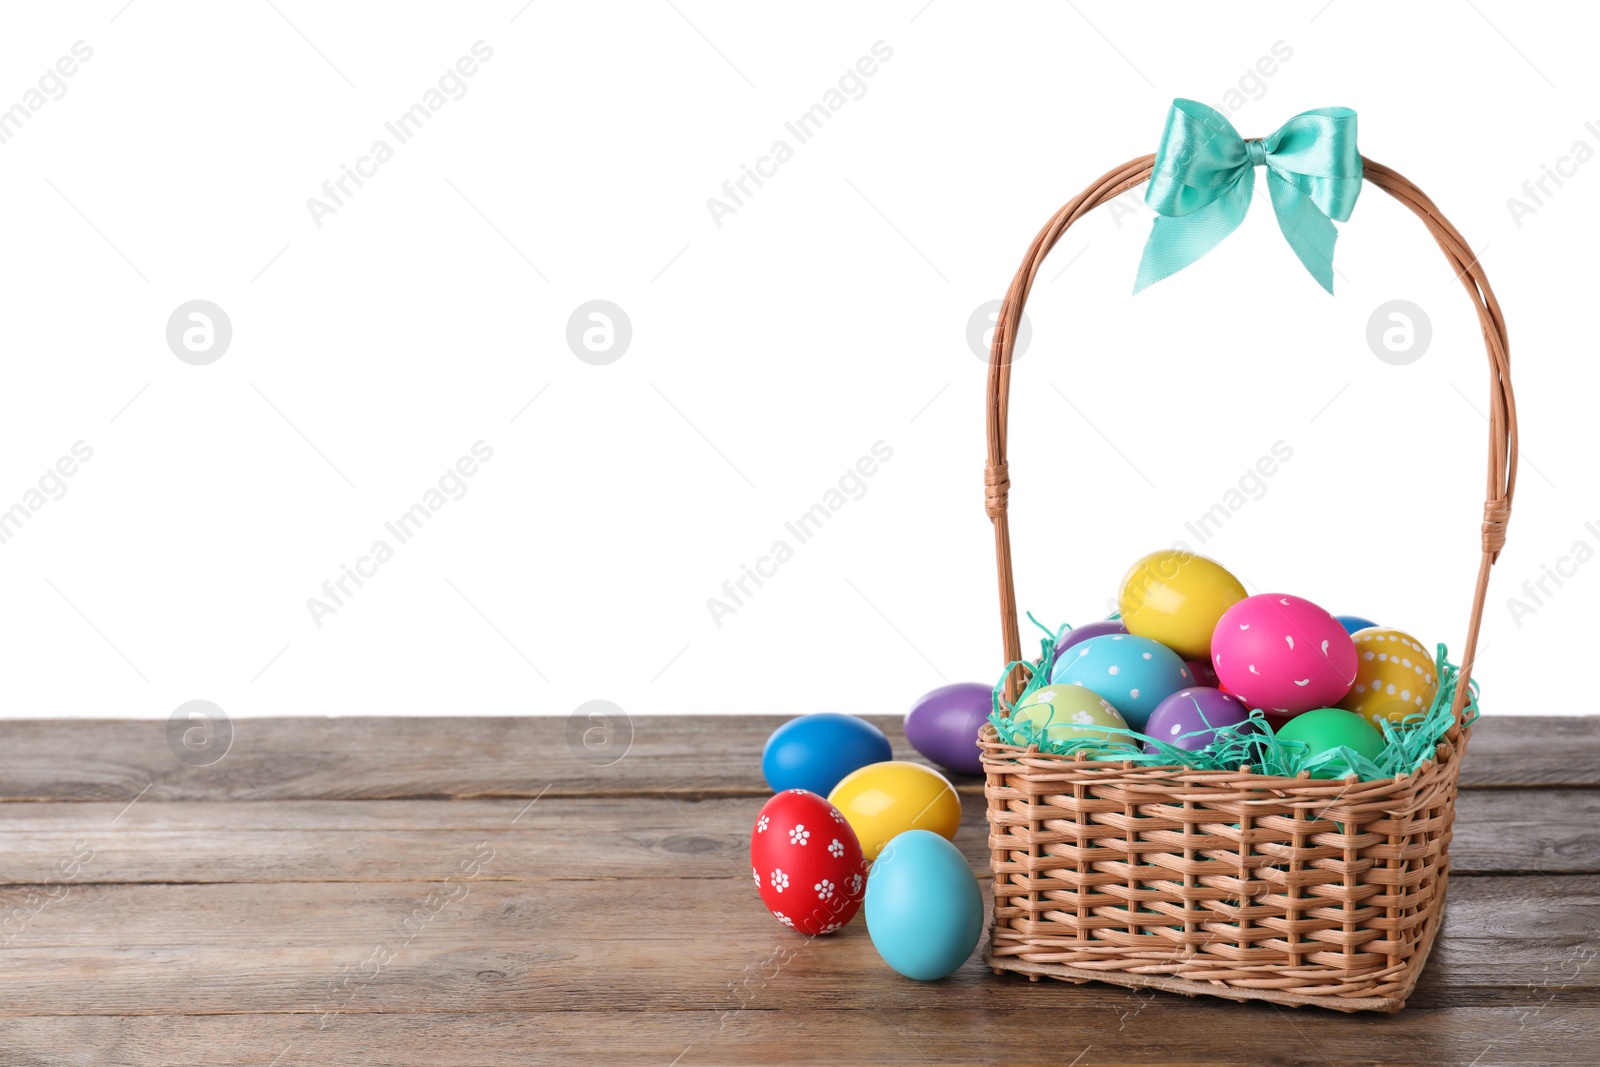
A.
x: 1204, y: 178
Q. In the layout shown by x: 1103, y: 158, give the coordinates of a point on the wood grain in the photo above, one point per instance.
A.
x: 651, y: 836
x: 395, y: 758
x: 1163, y: 1031
x: 472, y: 945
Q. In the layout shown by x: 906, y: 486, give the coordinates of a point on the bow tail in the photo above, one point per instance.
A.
x: 1176, y: 241
x: 1309, y: 232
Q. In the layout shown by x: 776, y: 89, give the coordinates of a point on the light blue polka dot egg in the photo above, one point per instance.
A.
x: 1134, y: 673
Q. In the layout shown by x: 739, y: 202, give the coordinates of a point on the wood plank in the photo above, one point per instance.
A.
x: 615, y: 945
x: 1160, y: 1031
x: 1496, y: 831
x: 400, y: 757
x: 1548, y: 831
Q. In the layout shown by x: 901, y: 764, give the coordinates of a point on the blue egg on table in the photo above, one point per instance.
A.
x: 1352, y: 623
x: 814, y: 752
x: 1134, y: 673
x: 924, y: 909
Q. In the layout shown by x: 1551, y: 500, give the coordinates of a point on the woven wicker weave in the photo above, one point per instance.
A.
x: 1294, y: 890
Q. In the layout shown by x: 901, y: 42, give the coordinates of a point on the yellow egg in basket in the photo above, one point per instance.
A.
x: 1395, y: 676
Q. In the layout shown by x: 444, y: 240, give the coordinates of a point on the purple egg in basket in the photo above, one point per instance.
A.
x: 943, y: 725
x: 1098, y: 628
x: 1197, y: 712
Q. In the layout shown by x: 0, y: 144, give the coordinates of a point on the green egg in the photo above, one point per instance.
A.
x: 1325, y: 729
x: 1068, y: 712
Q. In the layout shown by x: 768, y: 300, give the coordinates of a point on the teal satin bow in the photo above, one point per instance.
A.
x: 1204, y: 177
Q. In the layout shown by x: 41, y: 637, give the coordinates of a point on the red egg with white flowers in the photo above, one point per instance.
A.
x: 807, y: 863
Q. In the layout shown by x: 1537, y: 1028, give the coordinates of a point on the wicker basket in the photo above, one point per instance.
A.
x: 1226, y: 883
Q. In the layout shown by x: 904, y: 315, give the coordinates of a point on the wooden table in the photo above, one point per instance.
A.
x: 479, y: 891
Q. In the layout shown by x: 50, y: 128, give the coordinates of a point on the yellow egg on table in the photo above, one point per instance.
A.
x: 1394, y: 676
x: 882, y: 800
x: 1176, y: 597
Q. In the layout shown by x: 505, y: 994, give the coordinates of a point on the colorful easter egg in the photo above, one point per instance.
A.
x: 1394, y: 676
x: 814, y: 751
x: 924, y: 909
x: 885, y: 799
x: 1099, y: 628
x: 1324, y: 729
x: 1176, y: 597
x: 1134, y: 673
x: 1352, y: 623
x: 1283, y: 654
x: 943, y: 725
x: 1190, y: 718
x: 1204, y: 673
x: 1069, y: 712
x: 807, y: 863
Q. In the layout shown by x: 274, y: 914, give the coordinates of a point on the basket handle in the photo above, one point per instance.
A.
x: 1502, y: 403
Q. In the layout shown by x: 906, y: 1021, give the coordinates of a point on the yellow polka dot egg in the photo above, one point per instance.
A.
x: 1394, y: 676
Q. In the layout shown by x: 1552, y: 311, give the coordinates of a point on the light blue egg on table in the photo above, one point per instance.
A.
x: 1352, y: 623
x: 924, y: 909
x: 1134, y: 673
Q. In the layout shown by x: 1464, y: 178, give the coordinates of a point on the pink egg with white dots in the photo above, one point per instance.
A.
x: 1283, y: 654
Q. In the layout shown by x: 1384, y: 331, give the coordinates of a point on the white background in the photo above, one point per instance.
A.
x: 826, y: 314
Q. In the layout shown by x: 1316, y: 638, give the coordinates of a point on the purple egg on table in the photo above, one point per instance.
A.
x: 943, y: 725
x: 1198, y: 708
x: 1098, y: 628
